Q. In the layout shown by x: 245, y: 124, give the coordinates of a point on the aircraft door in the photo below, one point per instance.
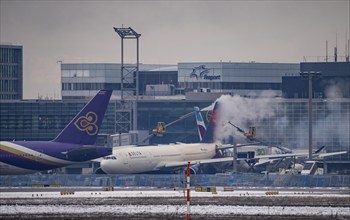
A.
x: 39, y: 155
x: 124, y: 159
x: 151, y: 162
x: 127, y: 164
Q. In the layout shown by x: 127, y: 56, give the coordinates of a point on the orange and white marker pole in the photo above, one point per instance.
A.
x: 188, y: 191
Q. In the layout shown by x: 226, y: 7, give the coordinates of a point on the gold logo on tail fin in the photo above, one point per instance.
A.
x: 87, y: 123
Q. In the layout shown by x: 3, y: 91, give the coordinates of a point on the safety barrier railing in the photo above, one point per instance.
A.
x: 175, y: 180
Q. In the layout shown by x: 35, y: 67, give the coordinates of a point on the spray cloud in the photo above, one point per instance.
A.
x: 331, y: 120
x: 243, y: 112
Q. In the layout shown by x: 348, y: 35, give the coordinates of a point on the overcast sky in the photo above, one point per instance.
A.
x: 172, y: 32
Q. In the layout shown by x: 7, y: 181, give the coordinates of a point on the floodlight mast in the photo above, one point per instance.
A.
x: 129, y: 73
x: 310, y: 75
x: 127, y: 33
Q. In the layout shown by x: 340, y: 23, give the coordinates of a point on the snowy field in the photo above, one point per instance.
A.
x: 54, y: 203
x: 212, y: 210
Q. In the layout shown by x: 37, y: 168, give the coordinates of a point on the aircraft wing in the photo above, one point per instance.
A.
x: 263, y: 158
x: 276, y: 156
x: 228, y: 146
x: 226, y: 159
x: 318, y: 155
x: 200, y: 162
x: 322, y: 155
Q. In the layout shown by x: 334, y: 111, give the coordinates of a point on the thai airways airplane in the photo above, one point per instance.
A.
x: 74, y: 144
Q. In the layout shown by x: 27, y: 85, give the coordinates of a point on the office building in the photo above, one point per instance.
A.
x: 11, y: 72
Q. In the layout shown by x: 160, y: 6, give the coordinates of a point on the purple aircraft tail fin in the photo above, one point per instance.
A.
x: 84, y: 127
x: 209, y: 134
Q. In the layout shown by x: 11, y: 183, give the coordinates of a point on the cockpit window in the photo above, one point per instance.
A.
x: 308, y: 166
x: 110, y: 158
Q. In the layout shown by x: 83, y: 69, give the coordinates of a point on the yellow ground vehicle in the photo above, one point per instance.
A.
x: 251, y: 133
x: 160, y: 129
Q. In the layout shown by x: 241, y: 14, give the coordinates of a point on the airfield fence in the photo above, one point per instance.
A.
x: 175, y: 180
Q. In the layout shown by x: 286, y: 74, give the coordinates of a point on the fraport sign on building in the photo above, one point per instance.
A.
x: 201, y: 72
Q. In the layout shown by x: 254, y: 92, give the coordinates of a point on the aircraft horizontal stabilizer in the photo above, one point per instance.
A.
x: 85, y: 150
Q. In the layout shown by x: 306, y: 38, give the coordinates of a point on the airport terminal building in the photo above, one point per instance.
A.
x: 81, y: 80
x: 245, y: 79
x: 167, y: 92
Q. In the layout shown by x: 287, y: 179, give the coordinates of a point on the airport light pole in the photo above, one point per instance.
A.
x: 310, y: 75
x: 188, y: 189
x: 129, y: 74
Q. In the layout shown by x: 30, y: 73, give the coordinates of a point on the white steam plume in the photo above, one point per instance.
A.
x: 242, y: 112
x: 331, y: 120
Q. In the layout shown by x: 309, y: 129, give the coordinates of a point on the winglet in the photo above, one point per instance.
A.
x: 84, y: 127
x: 319, y: 149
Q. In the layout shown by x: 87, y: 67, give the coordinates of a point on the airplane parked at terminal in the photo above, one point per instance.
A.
x: 173, y: 157
x: 74, y: 144
x: 164, y: 158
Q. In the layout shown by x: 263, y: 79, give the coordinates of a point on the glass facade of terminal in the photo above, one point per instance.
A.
x: 289, y: 126
x: 41, y: 120
x: 11, y: 72
x: 84, y: 80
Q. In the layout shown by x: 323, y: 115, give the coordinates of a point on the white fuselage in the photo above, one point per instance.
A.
x: 153, y: 158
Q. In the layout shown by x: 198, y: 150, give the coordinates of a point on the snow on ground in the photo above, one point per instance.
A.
x: 162, y: 193
x: 175, y: 209
x: 212, y: 210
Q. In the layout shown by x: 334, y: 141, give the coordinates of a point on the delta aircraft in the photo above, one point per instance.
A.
x: 173, y: 157
x: 167, y: 158
x: 74, y: 144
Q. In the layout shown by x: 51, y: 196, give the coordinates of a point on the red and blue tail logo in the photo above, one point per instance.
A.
x: 209, y: 136
x: 200, y: 123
